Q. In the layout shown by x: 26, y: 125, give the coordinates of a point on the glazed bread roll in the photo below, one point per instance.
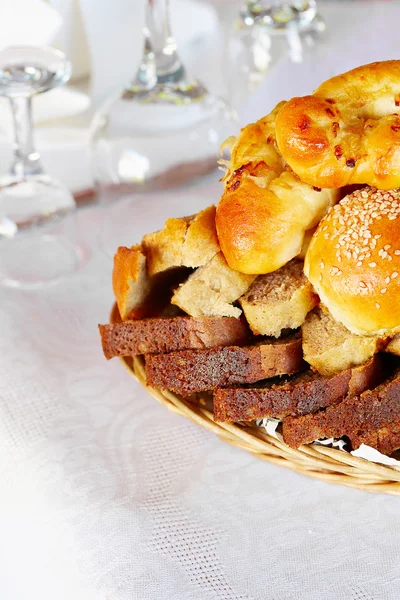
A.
x: 348, y: 131
x: 265, y: 209
x: 353, y: 262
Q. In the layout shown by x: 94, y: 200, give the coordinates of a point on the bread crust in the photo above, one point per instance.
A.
x: 348, y: 131
x: 279, y: 300
x: 131, y: 284
x: 371, y: 410
x: 211, y: 289
x: 385, y: 439
x: 302, y: 394
x: 193, y: 371
x: 265, y: 209
x: 330, y: 348
x: 183, y: 242
x: 156, y: 335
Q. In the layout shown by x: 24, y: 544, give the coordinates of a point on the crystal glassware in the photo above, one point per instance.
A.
x: 164, y: 129
x: 34, y: 249
x: 269, y: 30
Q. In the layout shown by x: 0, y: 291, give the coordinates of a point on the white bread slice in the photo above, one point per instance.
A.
x: 279, y: 300
x: 211, y: 289
x: 329, y: 347
x: 184, y: 242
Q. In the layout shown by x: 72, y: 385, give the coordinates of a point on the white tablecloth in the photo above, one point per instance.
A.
x: 105, y: 495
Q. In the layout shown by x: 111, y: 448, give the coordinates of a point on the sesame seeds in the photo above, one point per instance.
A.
x: 377, y: 305
x: 352, y: 220
x: 351, y: 228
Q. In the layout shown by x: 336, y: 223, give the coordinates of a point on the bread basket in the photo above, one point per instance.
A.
x: 317, y: 461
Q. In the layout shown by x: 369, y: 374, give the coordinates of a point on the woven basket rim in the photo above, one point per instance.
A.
x: 316, y: 461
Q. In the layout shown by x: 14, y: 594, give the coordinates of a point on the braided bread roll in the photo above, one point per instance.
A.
x: 265, y: 209
x: 348, y: 131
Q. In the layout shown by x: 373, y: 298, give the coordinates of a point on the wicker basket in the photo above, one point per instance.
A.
x: 320, y: 462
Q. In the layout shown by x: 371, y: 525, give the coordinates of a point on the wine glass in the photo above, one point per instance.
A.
x: 269, y: 30
x: 164, y: 129
x: 34, y: 249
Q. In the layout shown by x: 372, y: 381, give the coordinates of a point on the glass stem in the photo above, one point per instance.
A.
x: 26, y: 159
x: 160, y: 63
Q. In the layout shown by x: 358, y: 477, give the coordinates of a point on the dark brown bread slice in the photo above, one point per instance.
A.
x: 192, y: 371
x: 386, y: 439
x: 359, y: 413
x: 167, y: 335
x: 301, y: 395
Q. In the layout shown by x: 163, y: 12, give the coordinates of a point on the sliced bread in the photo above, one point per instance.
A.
x: 192, y: 371
x: 279, y: 300
x: 183, y: 242
x: 355, y: 414
x: 167, y: 335
x: 211, y: 289
x: 330, y: 348
x: 302, y: 394
x: 385, y: 439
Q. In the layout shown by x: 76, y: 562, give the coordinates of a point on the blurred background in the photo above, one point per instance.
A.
x: 251, y: 69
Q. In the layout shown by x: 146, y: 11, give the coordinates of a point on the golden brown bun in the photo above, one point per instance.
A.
x: 348, y: 131
x: 265, y: 209
x: 353, y: 262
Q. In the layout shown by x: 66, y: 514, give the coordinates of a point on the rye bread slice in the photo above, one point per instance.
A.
x: 386, y: 439
x: 192, y: 371
x: 158, y: 335
x: 356, y: 414
x: 302, y: 394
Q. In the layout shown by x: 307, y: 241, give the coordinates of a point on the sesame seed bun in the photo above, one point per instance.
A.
x: 353, y: 261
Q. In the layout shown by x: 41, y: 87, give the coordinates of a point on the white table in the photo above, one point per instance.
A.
x: 105, y: 495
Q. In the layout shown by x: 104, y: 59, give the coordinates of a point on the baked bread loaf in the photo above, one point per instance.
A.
x: 330, y: 348
x: 192, y: 371
x: 356, y: 414
x: 211, y: 289
x: 348, y: 131
x: 279, y: 300
x: 265, y: 209
x: 131, y: 338
x: 184, y: 242
x: 353, y: 262
x: 300, y: 395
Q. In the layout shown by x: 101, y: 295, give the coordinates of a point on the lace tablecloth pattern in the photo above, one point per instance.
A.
x: 104, y: 494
